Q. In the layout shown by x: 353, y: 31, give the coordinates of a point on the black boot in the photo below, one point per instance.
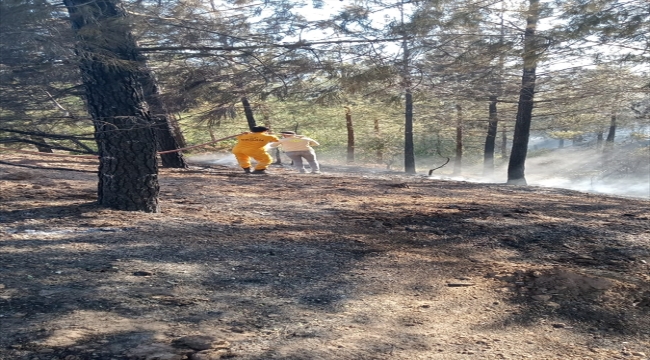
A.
x: 247, y: 170
x: 259, y: 172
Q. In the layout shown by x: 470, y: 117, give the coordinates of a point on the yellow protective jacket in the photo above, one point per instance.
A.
x: 252, y: 145
x: 253, y: 142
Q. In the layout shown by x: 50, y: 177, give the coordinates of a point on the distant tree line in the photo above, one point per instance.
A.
x: 126, y: 80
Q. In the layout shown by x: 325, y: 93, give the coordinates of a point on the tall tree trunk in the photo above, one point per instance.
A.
x: 493, y: 119
x: 109, y: 65
x: 611, y: 134
x: 409, y: 147
x: 516, y: 166
x: 490, y: 139
x: 348, y: 123
x: 176, y: 129
x: 438, y: 143
x: 165, y: 138
x: 458, y: 160
x: 612, y: 130
x: 248, y: 111
x: 380, y: 148
x: 504, y: 142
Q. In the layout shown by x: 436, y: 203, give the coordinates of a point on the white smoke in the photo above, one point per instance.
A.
x: 224, y: 159
x: 624, y: 173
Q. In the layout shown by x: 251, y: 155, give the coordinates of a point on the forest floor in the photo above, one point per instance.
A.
x: 343, y: 265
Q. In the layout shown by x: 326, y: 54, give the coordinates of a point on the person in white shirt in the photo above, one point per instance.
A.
x: 297, y: 148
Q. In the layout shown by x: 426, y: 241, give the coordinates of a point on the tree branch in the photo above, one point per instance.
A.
x: 46, y: 135
x: 57, y: 147
x: 296, y: 45
x: 45, y: 168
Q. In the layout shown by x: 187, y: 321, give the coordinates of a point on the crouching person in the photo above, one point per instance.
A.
x: 252, y: 145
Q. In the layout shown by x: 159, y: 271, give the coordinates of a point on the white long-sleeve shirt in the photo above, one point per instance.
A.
x: 296, y: 143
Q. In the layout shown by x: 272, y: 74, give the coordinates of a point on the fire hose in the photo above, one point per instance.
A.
x: 96, y: 156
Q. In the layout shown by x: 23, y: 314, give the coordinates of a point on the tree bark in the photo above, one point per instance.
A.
x: 250, y: 119
x: 166, y: 140
x: 504, y: 142
x: 516, y: 165
x: 176, y: 130
x: 109, y: 64
x: 409, y: 147
x: 248, y: 111
x: 490, y: 139
x: 380, y: 147
x: 458, y: 160
x: 350, y: 127
x: 612, y: 130
x: 493, y: 118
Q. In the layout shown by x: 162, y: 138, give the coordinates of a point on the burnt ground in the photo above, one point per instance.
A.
x: 332, y: 266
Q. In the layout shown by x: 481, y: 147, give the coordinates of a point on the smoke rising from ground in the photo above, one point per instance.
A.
x: 624, y: 172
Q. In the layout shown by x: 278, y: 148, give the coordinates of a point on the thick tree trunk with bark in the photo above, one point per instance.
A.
x: 166, y: 140
x: 128, y: 173
x: 176, y: 130
x: 516, y: 166
x: 165, y: 137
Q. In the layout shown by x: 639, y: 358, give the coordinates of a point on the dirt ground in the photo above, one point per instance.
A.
x: 342, y: 265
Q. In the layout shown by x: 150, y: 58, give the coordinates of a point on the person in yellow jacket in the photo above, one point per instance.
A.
x: 253, y: 145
